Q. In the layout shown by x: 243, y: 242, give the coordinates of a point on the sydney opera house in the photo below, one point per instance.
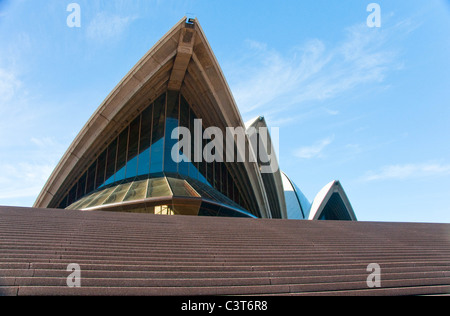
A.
x: 96, y: 227
x: 121, y: 160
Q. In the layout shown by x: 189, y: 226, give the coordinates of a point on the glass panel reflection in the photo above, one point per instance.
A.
x: 158, y: 188
x: 213, y: 202
x: 76, y: 205
x: 181, y: 188
x: 82, y: 204
x: 101, y: 197
x: 137, y: 191
x: 118, y: 194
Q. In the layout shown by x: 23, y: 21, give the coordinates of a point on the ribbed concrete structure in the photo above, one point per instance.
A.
x: 142, y: 254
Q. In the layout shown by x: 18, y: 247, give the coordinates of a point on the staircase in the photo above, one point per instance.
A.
x: 142, y: 254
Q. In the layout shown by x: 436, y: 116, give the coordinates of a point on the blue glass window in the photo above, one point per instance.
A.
x: 133, y: 144
x: 121, y: 155
x: 111, y: 162
x: 224, y: 179
x: 210, y: 172
x: 144, y: 144
x: 72, y: 195
x: 101, y: 162
x: 90, y: 183
x: 81, y: 189
x: 202, y: 165
x: 183, y: 167
x: 193, y: 166
x: 171, y: 123
x: 157, y: 149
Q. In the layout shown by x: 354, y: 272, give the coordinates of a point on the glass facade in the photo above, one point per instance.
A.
x: 180, y: 195
x: 143, y: 149
x: 335, y: 210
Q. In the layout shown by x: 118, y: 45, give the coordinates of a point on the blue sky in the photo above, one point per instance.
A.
x: 367, y: 106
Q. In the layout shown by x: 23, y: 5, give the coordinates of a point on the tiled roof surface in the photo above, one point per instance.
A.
x: 142, y: 254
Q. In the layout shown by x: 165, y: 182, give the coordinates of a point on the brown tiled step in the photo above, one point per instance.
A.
x: 225, y: 290
x: 301, y: 269
x: 402, y: 272
x: 393, y: 291
x: 36, y: 247
x: 318, y: 282
x: 176, y: 264
x: 211, y: 257
x: 9, y: 290
x: 152, y: 291
x: 361, y: 285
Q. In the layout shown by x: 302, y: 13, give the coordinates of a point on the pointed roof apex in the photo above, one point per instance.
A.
x: 332, y: 198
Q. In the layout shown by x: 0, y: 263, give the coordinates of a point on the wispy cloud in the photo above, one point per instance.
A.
x: 312, y: 72
x: 9, y: 85
x: 26, y: 157
x: 408, y: 171
x: 22, y: 178
x: 315, y: 150
x: 331, y: 112
x: 106, y: 26
x: 25, y: 163
x: 14, y: 109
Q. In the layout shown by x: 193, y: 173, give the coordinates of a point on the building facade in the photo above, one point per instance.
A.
x: 122, y: 159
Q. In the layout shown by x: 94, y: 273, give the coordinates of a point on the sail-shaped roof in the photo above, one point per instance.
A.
x: 332, y: 203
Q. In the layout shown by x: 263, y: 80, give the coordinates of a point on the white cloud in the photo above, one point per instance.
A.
x: 45, y: 142
x: 264, y: 78
x: 15, y: 109
x: 23, y: 179
x: 408, y: 171
x: 23, y: 176
x: 332, y: 112
x: 9, y: 84
x: 315, y: 150
x: 107, y: 26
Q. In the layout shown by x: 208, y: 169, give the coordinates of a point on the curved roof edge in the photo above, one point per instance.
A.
x: 323, y: 197
x: 302, y: 200
x: 273, y: 182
